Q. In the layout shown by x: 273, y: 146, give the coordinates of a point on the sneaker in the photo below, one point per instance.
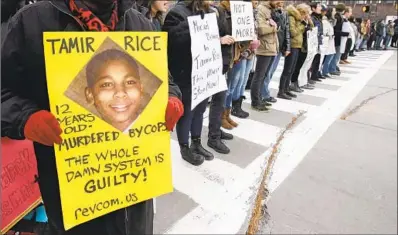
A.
x: 218, y: 146
x: 266, y: 103
x: 308, y: 87
x: 316, y: 80
x: 327, y: 76
x: 311, y: 82
x: 271, y: 100
x: 335, y: 73
x: 260, y: 108
x: 191, y: 157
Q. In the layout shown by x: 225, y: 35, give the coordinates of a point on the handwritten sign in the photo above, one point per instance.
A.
x: 109, y: 92
x: 242, y: 18
x: 19, y: 191
x: 312, y: 50
x: 207, y: 78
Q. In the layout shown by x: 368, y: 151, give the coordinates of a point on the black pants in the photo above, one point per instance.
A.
x: 263, y: 66
x: 394, y: 40
x: 300, y: 61
x: 192, y: 120
x: 344, y: 56
x: 315, y: 66
x: 216, y: 110
x: 288, y: 69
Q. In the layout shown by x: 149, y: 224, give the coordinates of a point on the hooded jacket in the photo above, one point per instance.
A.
x: 24, y: 92
x: 297, y: 28
x: 179, y: 41
x: 267, y: 34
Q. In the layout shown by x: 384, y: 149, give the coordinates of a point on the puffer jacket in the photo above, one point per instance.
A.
x: 297, y: 28
x: 267, y: 34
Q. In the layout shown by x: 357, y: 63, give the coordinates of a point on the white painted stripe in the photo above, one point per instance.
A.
x: 253, y: 131
x: 184, y: 177
x: 318, y: 92
x: 333, y: 82
x: 288, y: 106
x: 217, y: 171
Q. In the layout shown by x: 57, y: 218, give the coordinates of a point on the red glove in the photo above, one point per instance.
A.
x: 42, y: 127
x: 174, y: 110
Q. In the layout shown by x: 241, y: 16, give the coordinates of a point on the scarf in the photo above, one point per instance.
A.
x: 88, y: 20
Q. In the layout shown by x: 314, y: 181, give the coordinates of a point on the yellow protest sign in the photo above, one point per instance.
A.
x: 109, y: 92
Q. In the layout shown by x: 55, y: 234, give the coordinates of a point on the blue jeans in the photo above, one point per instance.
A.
x: 247, y: 65
x: 268, y: 77
x: 326, y: 64
x: 335, y: 61
x: 234, y: 75
x: 379, y: 39
x: 363, y: 44
x: 387, y: 41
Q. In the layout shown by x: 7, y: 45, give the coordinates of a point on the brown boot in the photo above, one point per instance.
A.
x: 224, y: 122
x: 234, y: 124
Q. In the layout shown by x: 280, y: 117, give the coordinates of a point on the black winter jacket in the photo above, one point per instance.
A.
x: 282, y: 20
x: 338, y: 33
x: 179, y: 42
x: 24, y: 92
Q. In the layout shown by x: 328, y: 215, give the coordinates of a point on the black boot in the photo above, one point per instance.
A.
x: 196, y: 147
x: 189, y: 156
x: 284, y: 96
x: 218, y: 145
x: 237, y: 110
x: 291, y: 94
x: 226, y: 136
x: 295, y: 87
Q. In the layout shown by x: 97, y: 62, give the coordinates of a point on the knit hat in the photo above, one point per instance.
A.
x: 324, y: 7
x: 340, y: 7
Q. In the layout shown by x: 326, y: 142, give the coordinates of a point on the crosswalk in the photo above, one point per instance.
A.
x: 217, y: 196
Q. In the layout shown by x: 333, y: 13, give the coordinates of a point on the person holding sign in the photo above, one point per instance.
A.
x: 282, y: 20
x: 25, y: 108
x: 180, y: 65
x: 266, y: 52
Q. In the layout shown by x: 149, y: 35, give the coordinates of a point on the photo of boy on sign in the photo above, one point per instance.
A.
x: 114, y: 87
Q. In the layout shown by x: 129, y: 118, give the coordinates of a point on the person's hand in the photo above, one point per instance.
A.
x: 42, y: 127
x: 273, y: 23
x: 254, y: 44
x: 227, y: 40
x: 287, y: 53
x: 174, y: 111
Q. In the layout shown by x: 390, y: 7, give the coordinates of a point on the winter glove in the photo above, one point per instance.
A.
x: 254, y: 45
x: 42, y: 127
x: 174, y: 111
x: 225, y: 69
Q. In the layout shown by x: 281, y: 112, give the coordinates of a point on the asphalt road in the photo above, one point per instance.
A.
x: 347, y: 183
